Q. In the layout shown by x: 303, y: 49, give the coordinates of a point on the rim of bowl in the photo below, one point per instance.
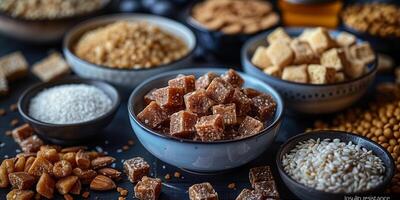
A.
x: 106, y: 3
x: 71, y: 37
x: 304, y: 136
x: 275, y: 122
x: 245, y: 57
x: 197, y: 25
x: 68, y: 80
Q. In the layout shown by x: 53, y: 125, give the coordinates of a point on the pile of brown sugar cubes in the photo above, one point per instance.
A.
x: 315, y: 57
x: 210, y: 108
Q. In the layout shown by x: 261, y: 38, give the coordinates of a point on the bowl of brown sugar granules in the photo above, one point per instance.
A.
x: 125, y: 49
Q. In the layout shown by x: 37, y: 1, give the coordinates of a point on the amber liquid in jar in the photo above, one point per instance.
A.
x: 310, y: 12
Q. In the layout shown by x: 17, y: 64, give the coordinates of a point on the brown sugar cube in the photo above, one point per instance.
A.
x: 319, y: 74
x: 148, y: 188
x: 273, y: 71
x: 210, y: 128
x: 260, y: 58
x: 242, y: 102
x: 182, y: 124
x: 267, y: 189
x: 31, y: 144
x: 297, y: 73
x: 62, y: 168
x: 303, y: 54
x: 228, y: 111
x: 40, y: 166
x: 345, y: 39
x: 203, y: 191
x: 3, y: 85
x: 334, y: 58
x: 21, y: 180
x: 355, y: 69
x: 17, y: 194
x: 280, y: 54
x: 149, y: 97
x: 49, y: 153
x: 219, y: 90
x: 339, y: 77
x: 198, y: 102
x: 250, y: 126
x: 169, y: 97
x: 278, y: 35
x: 247, y: 194
x: 264, y: 106
x: 153, y: 115
x: 258, y: 174
x: 319, y: 40
x: 233, y: 78
x: 45, y: 186
x: 185, y: 82
x: 19, y: 165
x: 51, y: 68
x: 136, y: 168
x: 22, y: 132
x: 14, y: 66
x: 362, y: 52
x: 204, y: 81
x: 64, y: 185
x: 250, y: 92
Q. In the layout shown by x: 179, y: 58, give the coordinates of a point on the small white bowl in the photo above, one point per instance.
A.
x: 128, y: 78
x: 309, y: 98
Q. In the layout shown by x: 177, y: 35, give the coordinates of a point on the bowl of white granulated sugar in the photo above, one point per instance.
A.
x: 70, y: 110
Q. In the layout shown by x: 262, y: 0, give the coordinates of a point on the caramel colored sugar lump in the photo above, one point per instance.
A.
x: 228, y: 111
x: 135, y: 168
x: 169, y: 97
x: 153, y: 115
x: 219, y: 90
x: 17, y: 194
x: 267, y: 189
x: 280, y: 54
x: 250, y: 126
x: 210, y: 128
x: 233, y: 78
x: 203, y: 191
x: 259, y: 174
x: 247, y: 194
x: 204, y: 81
x: 51, y: 68
x: 345, y: 39
x: 130, y: 45
x: 296, y: 74
x: 264, y: 106
x: 198, y: 102
x: 148, y: 188
x: 260, y: 58
x: 185, y: 82
x: 319, y: 74
x: 242, y: 102
x: 334, y: 58
x: 13, y: 66
x: 182, y: 124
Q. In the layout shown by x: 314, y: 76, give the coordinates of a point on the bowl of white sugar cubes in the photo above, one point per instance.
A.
x: 70, y: 110
x: 329, y: 165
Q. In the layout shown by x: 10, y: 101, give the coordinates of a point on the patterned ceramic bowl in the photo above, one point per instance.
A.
x: 196, y: 155
x: 308, y: 98
x: 128, y: 78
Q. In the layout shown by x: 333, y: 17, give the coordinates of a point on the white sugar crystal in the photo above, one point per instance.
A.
x: 334, y: 166
x: 68, y: 104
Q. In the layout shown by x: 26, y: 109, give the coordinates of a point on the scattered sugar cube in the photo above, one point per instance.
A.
x: 135, y: 168
x: 202, y: 191
x: 319, y: 74
x: 247, y: 194
x: 335, y: 58
x: 260, y: 58
x: 14, y: 66
x: 258, y: 174
x: 295, y: 74
x: 22, y: 132
x: 148, y: 188
x: 267, y: 189
x: 278, y: 35
x: 280, y: 54
x: 51, y: 68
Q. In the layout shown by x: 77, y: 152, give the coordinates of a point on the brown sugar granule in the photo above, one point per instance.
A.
x: 130, y: 45
x: 123, y: 192
x: 13, y: 107
x: 85, y: 194
x: 231, y: 185
x: 167, y: 177
x: 14, y: 122
x: 8, y: 133
x: 125, y: 147
x: 177, y: 174
x: 131, y: 142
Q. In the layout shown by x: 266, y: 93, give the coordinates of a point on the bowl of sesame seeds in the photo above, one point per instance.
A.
x: 126, y: 49
x: 69, y: 110
x: 334, y: 164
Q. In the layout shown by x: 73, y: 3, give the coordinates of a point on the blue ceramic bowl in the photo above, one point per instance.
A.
x: 196, y: 155
x: 309, y: 98
x: 126, y: 78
